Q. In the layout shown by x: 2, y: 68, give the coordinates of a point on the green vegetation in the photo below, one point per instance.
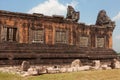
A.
x: 83, y: 75
x: 6, y: 76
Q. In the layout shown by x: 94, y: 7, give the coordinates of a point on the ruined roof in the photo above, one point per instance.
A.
x: 35, y: 16
x: 71, y: 18
x: 103, y: 18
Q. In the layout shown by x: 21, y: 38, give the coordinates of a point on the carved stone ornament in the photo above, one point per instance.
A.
x: 102, y: 18
x: 72, y: 14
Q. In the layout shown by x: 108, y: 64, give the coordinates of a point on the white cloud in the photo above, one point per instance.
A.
x: 117, y: 17
x: 118, y: 37
x: 51, y: 7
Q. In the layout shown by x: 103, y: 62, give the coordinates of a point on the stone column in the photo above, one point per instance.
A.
x: 71, y: 35
x: 95, y: 41
x: 20, y: 33
x: 48, y: 34
x: 93, y: 38
x: 23, y: 33
x: 53, y: 34
x: 26, y: 36
x: 110, y: 40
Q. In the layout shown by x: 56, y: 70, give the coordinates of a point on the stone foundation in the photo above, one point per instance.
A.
x: 51, y: 54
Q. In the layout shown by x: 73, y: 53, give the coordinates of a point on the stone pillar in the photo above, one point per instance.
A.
x: 92, y: 38
x: 89, y: 37
x: 110, y: 41
x: 48, y: 34
x: 53, y: 35
x: 23, y: 33
x: 70, y: 36
x: 20, y: 29
x: 95, y: 41
x: 46, y: 40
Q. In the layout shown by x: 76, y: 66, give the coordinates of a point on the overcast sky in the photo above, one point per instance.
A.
x: 88, y: 10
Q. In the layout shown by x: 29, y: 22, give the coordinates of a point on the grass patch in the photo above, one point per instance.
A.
x: 82, y: 75
x: 6, y: 76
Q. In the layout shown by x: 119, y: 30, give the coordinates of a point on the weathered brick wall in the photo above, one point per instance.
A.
x: 25, y: 22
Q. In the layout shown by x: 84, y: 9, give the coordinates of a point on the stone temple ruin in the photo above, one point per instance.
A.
x: 42, y: 39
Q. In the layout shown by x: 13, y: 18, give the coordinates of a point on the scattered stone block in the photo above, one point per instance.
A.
x: 105, y: 67
x: 42, y: 70
x: 33, y: 71
x: 75, y: 69
x: 76, y: 63
x: 83, y: 68
x: 115, y: 64
x: 52, y: 70
x: 96, y: 64
x: 63, y: 70
x: 25, y: 66
x: 69, y: 69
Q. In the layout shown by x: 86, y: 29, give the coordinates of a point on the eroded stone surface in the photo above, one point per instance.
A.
x: 103, y: 18
x: 38, y: 70
x: 25, y: 66
x: 115, y: 64
x: 76, y: 63
x: 49, y: 31
x: 96, y: 64
x: 72, y: 14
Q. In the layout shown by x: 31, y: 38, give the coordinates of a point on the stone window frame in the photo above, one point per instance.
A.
x: 38, y: 36
x: 83, y: 44
x: 61, y: 41
x: 9, y: 34
x: 104, y: 38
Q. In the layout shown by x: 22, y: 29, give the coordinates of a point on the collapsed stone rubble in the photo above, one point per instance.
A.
x: 75, y: 66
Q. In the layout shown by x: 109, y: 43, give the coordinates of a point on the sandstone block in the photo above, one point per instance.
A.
x: 76, y: 63
x: 25, y: 65
x: 115, y: 64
